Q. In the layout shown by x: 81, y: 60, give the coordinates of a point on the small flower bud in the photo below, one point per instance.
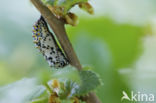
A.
x: 71, y: 19
x: 87, y: 7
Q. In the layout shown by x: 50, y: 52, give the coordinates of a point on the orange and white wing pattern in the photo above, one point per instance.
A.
x: 46, y: 43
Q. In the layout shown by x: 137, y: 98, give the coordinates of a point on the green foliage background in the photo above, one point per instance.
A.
x: 100, y: 41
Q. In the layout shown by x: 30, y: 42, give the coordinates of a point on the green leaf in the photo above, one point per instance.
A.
x: 68, y: 73
x: 38, y: 92
x: 50, y: 2
x: 76, y: 83
x: 19, y: 92
x: 69, y: 89
x: 90, y: 81
x: 41, y: 100
x: 23, y: 91
x: 66, y: 4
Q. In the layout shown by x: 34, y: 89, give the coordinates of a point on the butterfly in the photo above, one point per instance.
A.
x: 47, y: 45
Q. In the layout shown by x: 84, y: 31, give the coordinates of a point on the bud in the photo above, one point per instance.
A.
x: 55, y: 83
x: 87, y: 7
x: 56, y: 10
x: 71, y: 19
x: 54, y: 98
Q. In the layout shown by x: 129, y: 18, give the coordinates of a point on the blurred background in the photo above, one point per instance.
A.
x: 119, y: 41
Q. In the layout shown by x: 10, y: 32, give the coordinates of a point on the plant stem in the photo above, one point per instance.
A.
x: 48, y: 88
x: 58, y: 28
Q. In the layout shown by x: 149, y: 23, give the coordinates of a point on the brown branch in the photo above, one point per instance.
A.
x: 58, y: 28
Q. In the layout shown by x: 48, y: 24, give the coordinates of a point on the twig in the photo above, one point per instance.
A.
x: 58, y: 28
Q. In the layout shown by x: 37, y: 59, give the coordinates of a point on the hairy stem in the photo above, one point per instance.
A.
x: 58, y: 28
